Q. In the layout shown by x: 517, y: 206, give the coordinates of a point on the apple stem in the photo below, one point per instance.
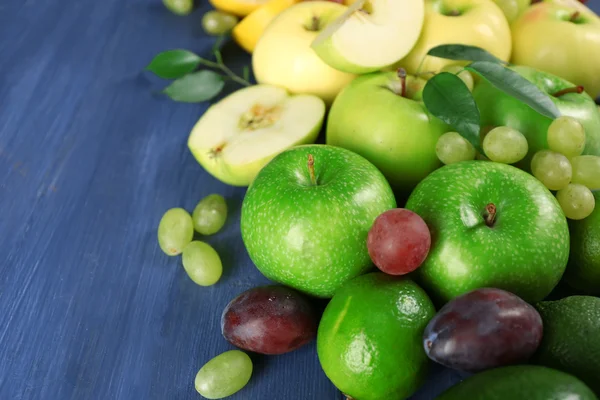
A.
x: 490, y: 214
x: 311, y: 169
x: 402, y: 75
x: 574, y: 89
x: 574, y: 16
x: 454, y: 13
x: 315, y: 24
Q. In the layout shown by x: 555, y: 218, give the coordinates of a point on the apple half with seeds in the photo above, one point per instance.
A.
x: 371, y: 35
x: 241, y: 133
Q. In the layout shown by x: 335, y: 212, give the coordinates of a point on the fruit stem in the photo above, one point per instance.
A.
x: 315, y: 24
x: 311, y: 169
x: 574, y: 16
x: 490, y: 214
x: 453, y: 13
x: 574, y: 89
x: 402, y: 75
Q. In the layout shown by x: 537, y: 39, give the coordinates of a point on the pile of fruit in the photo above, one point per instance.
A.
x: 454, y: 200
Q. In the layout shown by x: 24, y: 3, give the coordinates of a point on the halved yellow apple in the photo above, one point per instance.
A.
x: 371, y: 35
x: 240, y: 8
x: 240, y: 134
x: 247, y: 32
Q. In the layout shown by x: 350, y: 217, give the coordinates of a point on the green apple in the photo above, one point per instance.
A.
x: 237, y: 136
x: 283, y: 55
x: 478, y: 23
x: 370, y: 38
x: 492, y: 225
x: 512, y: 9
x: 560, y: 37
x: 306, y: 217
x: 499, y: 109
x: 389, y: 126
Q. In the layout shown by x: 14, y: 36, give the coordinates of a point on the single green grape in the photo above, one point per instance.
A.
x: 179, y: 7
x: 175, y: 231
x: 505, y: 145
x: 202, y: 263
x: 210, y: 214
x: 576, y: 201
x: 510, y: 8
x: 566, y: 135
x: 463, y: 74
x: 552, y: 169
x: 224, y: 375
x: 586, y: 171
x: 451, y: 148
x: 218, y: 23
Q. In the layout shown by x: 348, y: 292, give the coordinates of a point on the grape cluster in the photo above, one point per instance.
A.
x: 561, y: 167
x: 176, y: 233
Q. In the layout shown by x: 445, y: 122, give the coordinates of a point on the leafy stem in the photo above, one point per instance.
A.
x: 194, y: 86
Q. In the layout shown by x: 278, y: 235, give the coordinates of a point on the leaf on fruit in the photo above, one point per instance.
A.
x: 447, y: 97
x: 195, y: 87
x: 513, y: 84
x: 173, y: 64
x: 461, y: 52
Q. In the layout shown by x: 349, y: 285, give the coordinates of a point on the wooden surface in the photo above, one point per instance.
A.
x: 90, y: 159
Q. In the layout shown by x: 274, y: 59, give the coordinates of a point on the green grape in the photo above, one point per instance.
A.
x: 210, y: 214
x: 463, y: 74
x: 202, y: 263
x: 505, y: 145
x: 566, y: 135
x: 586, y: 171
x: 218, y: 23
x: 552, y: 169
x: 175, y: 231
x: 179, y: 7
x: 576, y: 201
x: 510, y: 8
x: 224, y: 375
x: 451, y: 148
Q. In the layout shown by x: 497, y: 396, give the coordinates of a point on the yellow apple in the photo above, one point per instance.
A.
x: 562, y: 38
x: 478, y: 23
x: 248, y: 31
x: 283, y: 55
x: 240, y: 134
x: 370, y: 36
x: 240, y: 8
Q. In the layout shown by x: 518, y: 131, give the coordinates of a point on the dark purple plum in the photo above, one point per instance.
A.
x: 482, y: 329
x: 269, y: 320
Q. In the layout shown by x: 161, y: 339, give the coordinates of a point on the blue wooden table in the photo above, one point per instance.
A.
x: 90, y: 158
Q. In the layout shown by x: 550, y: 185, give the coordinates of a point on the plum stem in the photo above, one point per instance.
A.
x: 490, y: 214
x: 574, y: 89
x: 402, y: 75
x: 311, y: 169
x: 574, y: 16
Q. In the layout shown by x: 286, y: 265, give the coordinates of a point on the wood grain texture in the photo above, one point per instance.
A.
x: 89, y: 160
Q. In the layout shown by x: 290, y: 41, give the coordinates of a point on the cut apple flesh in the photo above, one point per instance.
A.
x: 256, y: 122
x: 371, y: 35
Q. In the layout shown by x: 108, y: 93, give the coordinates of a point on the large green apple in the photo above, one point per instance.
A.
x: 561, y: 37
x: 396, y: 133
x: 306, y: 217
x: 498, y: 109
x: 492, y: 225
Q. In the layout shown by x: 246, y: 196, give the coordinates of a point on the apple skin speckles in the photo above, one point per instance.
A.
x: 313, y: 237
x: 525, y: 251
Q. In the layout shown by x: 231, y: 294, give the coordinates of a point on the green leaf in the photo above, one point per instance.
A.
x: 195, y: 87
x: 447, y: 97
x: 173, y: 64
x: 513, y: 84
x: 463, y: 52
